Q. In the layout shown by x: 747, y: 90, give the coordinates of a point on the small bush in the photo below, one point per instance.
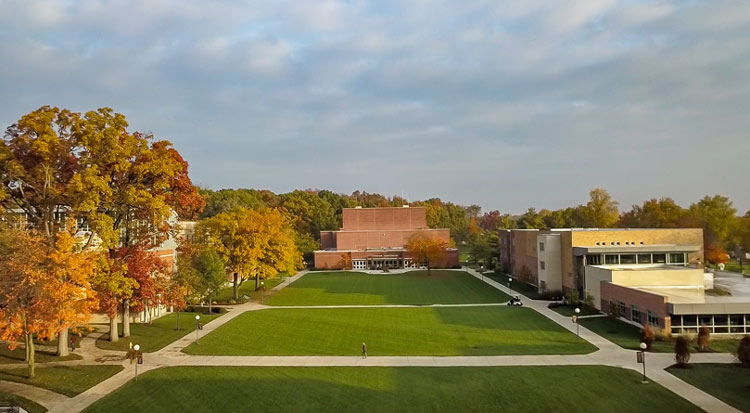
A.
x: 743, y: 351
x: 614, y: 311
x: 204, y: 310
x: 682, y: 351
x: 589, y: 300
x: 572, y: 298
x: 664, y: 334
x: 704, y: 337
x: 647, y: 336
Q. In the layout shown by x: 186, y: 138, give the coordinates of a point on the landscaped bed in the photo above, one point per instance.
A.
x: 629, y: 336
x: 727, y: 382
x: 434, y: 331
x: 153, y: 337
x: 414, y: 287
x: 389, y: 389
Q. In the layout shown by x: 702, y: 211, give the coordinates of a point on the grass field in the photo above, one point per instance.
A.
x: 415, y: 287
x: 727, y: 382
x: 153, y: 337
x: 18, y: 355
x: 67, y: 380
x: 384, y: 389
x: 629, y: 336
x: 248, y: 289
x: 436, y: 331
x: 9, y: 399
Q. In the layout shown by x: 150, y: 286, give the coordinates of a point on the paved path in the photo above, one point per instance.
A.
x: 608, y: 354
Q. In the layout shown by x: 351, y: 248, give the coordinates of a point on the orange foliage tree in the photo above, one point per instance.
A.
x: 44, y: 288
x: 426, y: 250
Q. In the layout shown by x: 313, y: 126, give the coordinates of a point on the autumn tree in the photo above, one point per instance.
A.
x: 426, y: 250
x: 211, y: 273
x: 134, y: 187
x: 257, y: 244
x: 601, y: 210
x: 44, y: 287
x: 682, y: 351
x: 654, y: 213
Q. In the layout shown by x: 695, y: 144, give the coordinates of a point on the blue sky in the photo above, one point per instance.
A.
x: 504, y: 104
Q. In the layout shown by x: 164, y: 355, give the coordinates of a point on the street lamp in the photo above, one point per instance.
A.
x: 643, y: 357
x: 197, y: 327
x: 575, y: 319
x: 136, y: 348
x: 262, y: 291
x: 481, y: 271
x: 510, y: 289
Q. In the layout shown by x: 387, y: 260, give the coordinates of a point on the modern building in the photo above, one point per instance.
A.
x: 653, y: 276
x: 375, y: 238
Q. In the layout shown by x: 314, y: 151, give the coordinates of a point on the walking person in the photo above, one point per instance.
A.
x: 73, y: 342
x: 364, y: 350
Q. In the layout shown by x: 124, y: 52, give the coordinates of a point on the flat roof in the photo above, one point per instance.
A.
x: 642, y: 267
x: 582, y: 250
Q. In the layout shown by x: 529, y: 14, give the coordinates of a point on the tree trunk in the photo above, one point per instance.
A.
x: 428, y: 268
x: 257, y: 278
x: 62, y: 342
x: 27, y: 347
x: 209, y: 303
x: 178, y: 320
x: 114, y: 335
x: 234, y: 291
x: 126, y: 318
x: 30, y: 340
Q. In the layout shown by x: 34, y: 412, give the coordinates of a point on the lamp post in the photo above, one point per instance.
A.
x: 262, y: 291
x: 510, y: 289
x: 481, y: 271
x: 643, y: 356
x: 575, y: 319
x: 136, y: 348
x: 197, y: 327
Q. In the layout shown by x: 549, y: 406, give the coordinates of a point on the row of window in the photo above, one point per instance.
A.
x: 716, y: 323
x: 636, y: 315
x: 603, y: 243
x: 643, y: 258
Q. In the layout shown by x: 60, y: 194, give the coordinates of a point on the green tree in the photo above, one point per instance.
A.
x: 531, y: 220
x: 716, y: 216
x: 212, y: 273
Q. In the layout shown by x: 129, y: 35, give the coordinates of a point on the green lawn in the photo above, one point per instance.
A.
x: 10, y: 399
x: 158, y: 334
x: 436, y: 331
x: 415, y: 287
x: 67, y: 380
x: 248, y: 289
x: 530, y: 291
x: 18, y: 355
x: 727, y: 382
x: 569, y: 311
x: 391, y: 389
x: 629, y: 336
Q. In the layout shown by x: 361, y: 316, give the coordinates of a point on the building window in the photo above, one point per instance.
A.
x: 635, y: 315
x: 541, y: 265
x: 82, y: 224
x: 644, y: 258
x: 622, y: 308
x: 627, y: 259
x: 653, y: 319
x: 611, y: 259
x: 660, y: 258
x: 677, y: 258
x: 541, y: 247
x: 593, y: 259
x: 359, y: 264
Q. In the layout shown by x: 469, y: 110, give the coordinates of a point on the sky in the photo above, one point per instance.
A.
x: 505, y: 104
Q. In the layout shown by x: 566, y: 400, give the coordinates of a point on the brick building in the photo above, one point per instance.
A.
x: 374, y: 238
x: 653, y: 276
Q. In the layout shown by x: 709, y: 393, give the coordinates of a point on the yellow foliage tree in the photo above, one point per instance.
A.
x: 426, y: 250
x: 251, y: 243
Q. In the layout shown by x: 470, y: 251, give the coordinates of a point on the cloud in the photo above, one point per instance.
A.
x: 505, y: 104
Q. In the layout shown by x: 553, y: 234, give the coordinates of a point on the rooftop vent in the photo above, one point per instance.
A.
x: 358, y: 207
x: 405, y: 206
